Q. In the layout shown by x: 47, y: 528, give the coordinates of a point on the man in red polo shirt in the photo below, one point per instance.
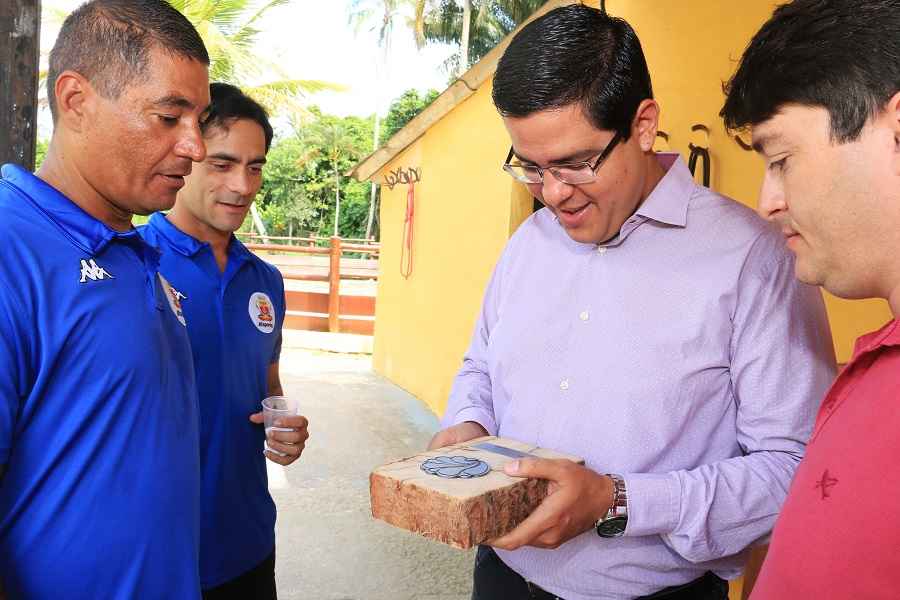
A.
x: 819, y: 88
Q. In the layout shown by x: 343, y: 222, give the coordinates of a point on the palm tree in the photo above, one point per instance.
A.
x: 477, y: 26
x: 331, y: 139
x: 382, y: 16
x: 228, y: 29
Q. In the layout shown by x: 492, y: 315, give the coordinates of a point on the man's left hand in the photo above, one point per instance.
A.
x: 576, y: 499
x: 290, y: 443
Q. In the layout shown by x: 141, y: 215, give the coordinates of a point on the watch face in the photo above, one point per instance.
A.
x: 613, y: 527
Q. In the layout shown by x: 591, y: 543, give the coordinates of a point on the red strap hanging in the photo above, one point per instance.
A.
x: 406, y: 250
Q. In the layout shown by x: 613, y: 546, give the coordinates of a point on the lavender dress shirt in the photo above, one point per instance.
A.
x: 682, y: 354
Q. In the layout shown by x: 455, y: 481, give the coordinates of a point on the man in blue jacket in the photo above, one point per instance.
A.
x: 234, y: 307
x: 99, y: 462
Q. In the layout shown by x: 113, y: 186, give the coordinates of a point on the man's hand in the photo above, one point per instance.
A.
x: 577, y: 498
x: 457, y: 434
x: 290, y: 443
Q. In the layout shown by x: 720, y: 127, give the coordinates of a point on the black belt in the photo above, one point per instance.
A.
x: 709, y: 586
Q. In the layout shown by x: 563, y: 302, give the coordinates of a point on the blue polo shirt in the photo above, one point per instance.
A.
x: 234, y: 321
x: 98, y: 409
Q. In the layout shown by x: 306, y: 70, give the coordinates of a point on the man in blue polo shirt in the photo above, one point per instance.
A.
x: 99, y: 464
x: 234, y: 306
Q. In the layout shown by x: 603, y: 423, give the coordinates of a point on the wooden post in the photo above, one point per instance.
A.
x: 20, y: 25
x: 334, y: 287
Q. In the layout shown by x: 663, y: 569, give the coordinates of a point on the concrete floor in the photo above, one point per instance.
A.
x: 328, y: 545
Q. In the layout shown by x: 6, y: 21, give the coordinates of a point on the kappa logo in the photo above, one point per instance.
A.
x: 90, y: 270
x: 261, y: 312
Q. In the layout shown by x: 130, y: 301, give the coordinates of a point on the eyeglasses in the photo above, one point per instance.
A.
x: 575, y: 173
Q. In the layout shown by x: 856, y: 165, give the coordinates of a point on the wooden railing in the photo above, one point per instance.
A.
x: 306, y: 241
x: 317, y: 311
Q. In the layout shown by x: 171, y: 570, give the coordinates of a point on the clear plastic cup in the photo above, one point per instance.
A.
x: 274, y: 408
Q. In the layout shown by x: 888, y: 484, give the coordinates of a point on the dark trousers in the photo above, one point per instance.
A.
x: 496, y: 581
x: 256, y: 584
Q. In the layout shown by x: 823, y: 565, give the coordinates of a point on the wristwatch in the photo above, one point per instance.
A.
x: 613, y: 523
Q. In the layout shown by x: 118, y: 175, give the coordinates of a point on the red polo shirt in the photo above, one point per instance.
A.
x: 838, y: 535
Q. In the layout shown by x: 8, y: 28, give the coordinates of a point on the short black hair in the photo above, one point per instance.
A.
x: 109, y: 41
x: 842, y: 55
x: 228, y: 104
x: 575, y: 54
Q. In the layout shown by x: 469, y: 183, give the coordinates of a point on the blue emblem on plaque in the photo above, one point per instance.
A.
x: 456, y: 467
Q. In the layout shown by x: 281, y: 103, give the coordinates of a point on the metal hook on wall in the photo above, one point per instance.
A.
x: 410, y: 177
x: 700, y: 152
x: 401, y: 175
x: 665, y: 137
x: 742, y: 143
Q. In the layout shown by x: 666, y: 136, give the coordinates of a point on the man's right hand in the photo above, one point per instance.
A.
x: 457, y: 434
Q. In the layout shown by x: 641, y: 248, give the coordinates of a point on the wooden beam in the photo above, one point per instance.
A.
x: 311, y: 322
x: 458, y: 91
x: 318, y: 302
x: 20, y: 34
x: 334, y: 286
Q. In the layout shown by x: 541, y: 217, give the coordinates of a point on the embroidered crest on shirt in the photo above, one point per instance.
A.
x: 90, y: 270
x: 174, y: 297
x: 261, y: 312
x: 825, y: 484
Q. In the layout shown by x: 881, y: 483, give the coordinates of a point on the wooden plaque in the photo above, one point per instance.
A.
x: 466, y: 510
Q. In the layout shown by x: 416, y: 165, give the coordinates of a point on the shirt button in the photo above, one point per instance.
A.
x: 564, y: 384
x: 601, y: 250
x: 585, y: 315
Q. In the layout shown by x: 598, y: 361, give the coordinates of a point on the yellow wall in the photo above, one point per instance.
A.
x: 462, y: 220
x: 466, y: 207
x: 691, y: 48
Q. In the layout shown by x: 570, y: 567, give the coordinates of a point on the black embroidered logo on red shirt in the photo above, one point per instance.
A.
x: 825, y: 484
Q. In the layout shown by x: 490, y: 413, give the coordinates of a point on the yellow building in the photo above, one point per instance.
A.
x: 466, y: 207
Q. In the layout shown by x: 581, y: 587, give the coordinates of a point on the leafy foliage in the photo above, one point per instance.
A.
x: 40, y: 153
x: 229, y: 31
x: 298, y: 192
x: 491, y: 21
x: 403, y: 110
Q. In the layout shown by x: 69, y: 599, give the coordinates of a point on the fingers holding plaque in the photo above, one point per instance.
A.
x: 459, y: 494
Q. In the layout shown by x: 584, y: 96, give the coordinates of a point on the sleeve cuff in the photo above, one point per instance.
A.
x: 472, y: 413
x: 654, y: 503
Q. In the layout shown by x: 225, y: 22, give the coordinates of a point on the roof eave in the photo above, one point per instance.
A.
x: 463, y: 87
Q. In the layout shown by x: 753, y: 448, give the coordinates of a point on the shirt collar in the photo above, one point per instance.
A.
x: 668, y: 202
x: 86, y: 232
x: 889, y: 335
x: 180, y: 241
x: 188, y: 245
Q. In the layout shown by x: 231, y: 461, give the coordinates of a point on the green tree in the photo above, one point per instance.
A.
x: 284, y: 200
x: 300, y: 190
x: 489, y: 22
x: 382, y: 16
x: 332, y: 139
x: 229, y: 31
x: 403, y: 109
x: 40, y: 153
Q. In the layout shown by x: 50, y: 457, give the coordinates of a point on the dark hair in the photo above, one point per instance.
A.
x: 228, y: 104
x: 109, y: 41
x: 843, y: 55
x: 575, y: 54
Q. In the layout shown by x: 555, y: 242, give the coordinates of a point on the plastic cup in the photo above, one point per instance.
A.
x: 276, y: 407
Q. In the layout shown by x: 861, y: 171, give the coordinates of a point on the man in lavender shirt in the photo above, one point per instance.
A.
x: 640, y: 321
